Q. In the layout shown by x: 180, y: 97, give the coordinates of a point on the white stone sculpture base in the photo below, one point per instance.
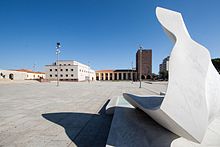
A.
x: 132, y: 127
x: 192, y: 99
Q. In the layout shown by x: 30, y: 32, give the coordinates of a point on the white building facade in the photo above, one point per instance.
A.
x: 21, y: 74
x: 12, y: 75
x: 69, y: 70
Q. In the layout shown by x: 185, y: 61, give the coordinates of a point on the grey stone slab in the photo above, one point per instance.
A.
x: 22, y: 105
x: 133, y: 127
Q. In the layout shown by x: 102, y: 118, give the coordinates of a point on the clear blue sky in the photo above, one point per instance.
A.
x: 106, y: 33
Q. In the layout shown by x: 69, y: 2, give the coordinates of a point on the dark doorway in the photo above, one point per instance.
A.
x: 11, y: 76
x: 134, y: 78
x: 119, y: 76
x: 110, y: 76
x: 115, y: 77
x: 102, y: 76
x: 106, y: 76
x: 148, y: 77
x: 124, y: 76
x: 143, y: 77
x: 129, y: 76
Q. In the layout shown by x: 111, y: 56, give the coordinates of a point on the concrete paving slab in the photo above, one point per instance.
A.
x: 22, y: 105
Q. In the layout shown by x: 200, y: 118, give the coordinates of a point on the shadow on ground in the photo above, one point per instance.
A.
x: 133, y: 127
x: 84, y: 129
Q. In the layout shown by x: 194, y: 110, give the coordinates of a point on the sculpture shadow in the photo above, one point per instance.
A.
x: 84, y: 129
x: 133, y: 127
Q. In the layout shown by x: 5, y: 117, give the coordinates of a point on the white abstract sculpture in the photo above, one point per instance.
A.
x: 193, y: 94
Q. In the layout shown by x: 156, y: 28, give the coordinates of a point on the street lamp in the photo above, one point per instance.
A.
x: 140, y: 50
x: 58, y: 46
x: 88, y: 73
x: 34, y: 66
x: 132, y: 72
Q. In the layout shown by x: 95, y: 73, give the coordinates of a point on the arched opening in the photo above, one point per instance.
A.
x: 129, y: 76
x: 124, y: 76
x: 119, y: 76
x: 102, y: 76
x: 143, y: 77
x: 11, y: 76
x: 110, y: 76
x: 148, y: 76
x: 106, y: 76
x: 115, y: 76
x: 134, y: 77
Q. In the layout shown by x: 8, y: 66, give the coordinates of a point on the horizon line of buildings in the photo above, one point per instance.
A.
x: 70, y: 70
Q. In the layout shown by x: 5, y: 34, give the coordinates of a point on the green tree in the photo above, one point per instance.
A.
x: 164, y: 75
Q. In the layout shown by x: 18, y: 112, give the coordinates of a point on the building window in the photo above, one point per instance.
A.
x: 55, y: 69
x: 60, y: 64
x: 71, y: 69
x: 61, y: 75
x: 50, y: 75
x: 66, y: 75
x: 69, y: 64
x: 50, y: 69
x: 66, y: 69
x: 71, y: 75
x: 55, y: 75
x: 64, y: 64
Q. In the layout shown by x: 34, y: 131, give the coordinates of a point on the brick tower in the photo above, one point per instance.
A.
x: 146, y: 63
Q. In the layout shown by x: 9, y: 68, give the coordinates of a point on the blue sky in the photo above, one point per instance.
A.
x: 105, y: 33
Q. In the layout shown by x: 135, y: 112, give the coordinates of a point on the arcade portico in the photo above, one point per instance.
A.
x: 125, y: 74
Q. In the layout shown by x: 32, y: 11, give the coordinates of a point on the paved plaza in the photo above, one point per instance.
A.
x: 73, y: 114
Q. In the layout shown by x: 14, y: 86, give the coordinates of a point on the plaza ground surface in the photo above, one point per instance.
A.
x: 42, y: 114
